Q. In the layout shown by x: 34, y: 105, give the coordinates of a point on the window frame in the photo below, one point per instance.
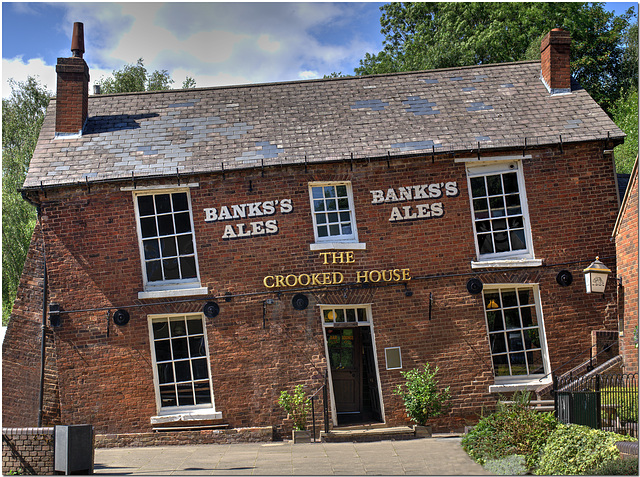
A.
x: 338, y: 242
x: 187, y: 284
x: 494, y: 258
x: 186, y: 409
x: 533, y: 379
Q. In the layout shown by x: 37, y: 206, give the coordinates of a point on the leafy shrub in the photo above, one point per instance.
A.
x: 510, y: 465
x: 422, y: 399
x: 616, y: 467
x: 512, y: 429
x: 297, y: 405
x: 627, y: 400
x: 573, y: 449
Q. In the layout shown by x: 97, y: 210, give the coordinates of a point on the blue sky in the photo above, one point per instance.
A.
x: 216, y: 43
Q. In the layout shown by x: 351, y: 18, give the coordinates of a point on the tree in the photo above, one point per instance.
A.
x: 22, y: 116
x: 451, y: 34
x: 625, y: 115
x: 133, y: 78
x: 188, y: 83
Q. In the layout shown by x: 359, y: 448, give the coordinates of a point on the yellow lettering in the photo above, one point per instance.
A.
x: 338, y: 278
x: 279, y: 281
x: 361, y: 276
x: 306, y: 277
x: 314, y: 280
x: 324, y: 256
x: 405, y: 274
x: 295, y: 280
x: 350, y: 257
x: 396, y: 275
x: 270, y: 278
x: 384, y: 275
x: 326, y: 276
x: 371, y: 276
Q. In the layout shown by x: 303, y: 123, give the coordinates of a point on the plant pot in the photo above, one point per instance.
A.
x: 301, y: 437
x: 422, y: 431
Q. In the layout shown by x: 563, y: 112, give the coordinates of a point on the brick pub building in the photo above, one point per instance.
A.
x: 203, y: 250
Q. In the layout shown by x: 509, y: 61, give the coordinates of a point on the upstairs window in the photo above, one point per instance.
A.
x: 333, y: 212
x: 500, y: 217
x: 167, y: 241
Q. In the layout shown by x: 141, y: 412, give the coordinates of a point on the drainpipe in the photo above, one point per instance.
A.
x: 43, y: 325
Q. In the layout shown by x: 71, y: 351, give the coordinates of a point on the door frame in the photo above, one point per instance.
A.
x: 356, y: 324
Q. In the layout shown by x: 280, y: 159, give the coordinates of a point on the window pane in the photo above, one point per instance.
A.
x: 500, y: 365
x: 163, y: 350
x: 343, y: 204
x: 483, y: 226
x: 497, y: 206
x: 485, y: 244
x: 518, y: 365
x: 497, y: 343
x: 512, y: 318
x: 200, y: 369
x: 183, y: 223
x: 529, y: 317
x: 151, y: 249
x: 513, y: 204
x: 494, y: 185
x: 170, y: 269
x: 341, y: 190
x: 194, y: 326
x: 168, y: 246
x: 188, y: 267
x: 163, y: 203
x: 509, y: 298
x: 477, y: 187
x: 510, y: 181
x: 177, y: 328
x: 183, y: 371
x: 332, y: 205
x: 329, y: 192
x: 351, y: 314
x: 180, y: 350
x: 346, y: 229
x: 516, y: 222
x: 165, y: 225
x: 501, y: 240
x: 160, y: 330
x: 494, y: 320
x: 362, y: 314
x: 203, y: 393
x: 534, y: 359
x: 318, y: 205
x: 334, y: 230
x: 517, y: 239
x: 165, y: 373
x: 333, y: 218
x: 148, y: 227
x: 515, y: 341
x: 180, y: 201
x: 492, y: 300
x: 323, y: 231
x: 345, y: 216
x: 185, y: 244
x: 145, y: 205
x: 154, y: 272
x: 532, y: 338
x: 339, y: 315
x: 321, y: 219
x: 185, y: 395
x: 316, y: 192
x: 168, y: 396
x: 196, y: 346
x: 481, y: 208
x: 500, y: 224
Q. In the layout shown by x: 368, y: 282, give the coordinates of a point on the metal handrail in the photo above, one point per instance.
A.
x: 325, y: 406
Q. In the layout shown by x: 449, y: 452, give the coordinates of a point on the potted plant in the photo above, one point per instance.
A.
x: 297, y: 405
x: 421, y: 397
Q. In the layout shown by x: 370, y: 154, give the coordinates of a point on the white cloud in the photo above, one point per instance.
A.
x: 305, y: 75
x: 19, y: 70
x: 267, y: 44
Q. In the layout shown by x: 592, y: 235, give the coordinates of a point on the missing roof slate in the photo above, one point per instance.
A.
x: 479, y: 78
x: 373, y: 104
x: 470, y: 88
x: 430, y: 80
x: 420, y: 106
x: 479, y: 107
x: 415, y: 145
x: 268, y: 151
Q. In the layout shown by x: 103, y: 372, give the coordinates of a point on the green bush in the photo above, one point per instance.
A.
x: 512, y: 429
x: 297, y: 405
x: 616, y: 467
x: 626, y: 397
x: 510, y: 465
x: 422, y: 399
x: 573, y: 449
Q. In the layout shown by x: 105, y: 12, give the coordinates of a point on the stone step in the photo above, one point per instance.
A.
x: 367, y: 434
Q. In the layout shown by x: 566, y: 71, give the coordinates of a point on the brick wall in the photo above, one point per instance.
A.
x: 28, y: 450
x: 627, y: 253
x: 105, y: 371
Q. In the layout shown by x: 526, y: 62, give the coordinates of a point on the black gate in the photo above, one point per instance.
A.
x: 608, y: 402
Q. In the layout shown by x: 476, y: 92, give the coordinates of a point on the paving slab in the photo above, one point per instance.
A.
x: 434, y: 456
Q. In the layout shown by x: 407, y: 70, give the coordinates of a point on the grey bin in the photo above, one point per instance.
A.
x: 74, y: 449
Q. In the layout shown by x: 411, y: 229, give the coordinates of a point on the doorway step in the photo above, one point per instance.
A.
x: 367, y: 434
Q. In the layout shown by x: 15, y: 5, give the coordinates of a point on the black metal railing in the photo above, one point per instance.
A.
x: 325, y: 406
x: 602, y: 401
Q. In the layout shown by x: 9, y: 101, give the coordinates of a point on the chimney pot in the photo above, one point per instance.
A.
x: 96, y: 89
x: 77, y: 40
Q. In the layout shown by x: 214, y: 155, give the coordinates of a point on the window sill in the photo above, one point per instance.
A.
x: 522, y: 386
x: 196, y: 415
x: 508, y: 263
x: 338, y: 246
x: 173, y: 293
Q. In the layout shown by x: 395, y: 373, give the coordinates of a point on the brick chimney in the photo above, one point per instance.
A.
x: 72, y: 97
x: 555, y: 52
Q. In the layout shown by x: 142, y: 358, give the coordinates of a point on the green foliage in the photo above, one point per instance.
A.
x: 510, y: 465
x: 512, y: 429
x: 426, y: 35
x: 626, y: 400
x: 22, y: 116
x: 297, y: 405
x: 188, y: 83
x: 625, y: 115
x: 574, y: 449
x: 134, y: 78
x: 422, y: 399
x: 616, y: 467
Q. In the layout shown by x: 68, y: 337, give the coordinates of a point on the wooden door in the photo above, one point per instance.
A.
x: 345, y: 355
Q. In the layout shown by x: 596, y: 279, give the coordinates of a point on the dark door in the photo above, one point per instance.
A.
x: 345, y: 355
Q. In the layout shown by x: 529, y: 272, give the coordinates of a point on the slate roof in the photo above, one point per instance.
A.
x: 208, y: 129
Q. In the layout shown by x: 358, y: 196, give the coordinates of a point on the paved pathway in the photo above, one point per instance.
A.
x: 435, y: 456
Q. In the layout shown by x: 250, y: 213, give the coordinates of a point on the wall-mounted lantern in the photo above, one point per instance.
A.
x: 121, y: 317
x: 211, y: 309
x: 595, y: 276
x: 55, y: 320
x: 474, y: 286
x: 300, y: 301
